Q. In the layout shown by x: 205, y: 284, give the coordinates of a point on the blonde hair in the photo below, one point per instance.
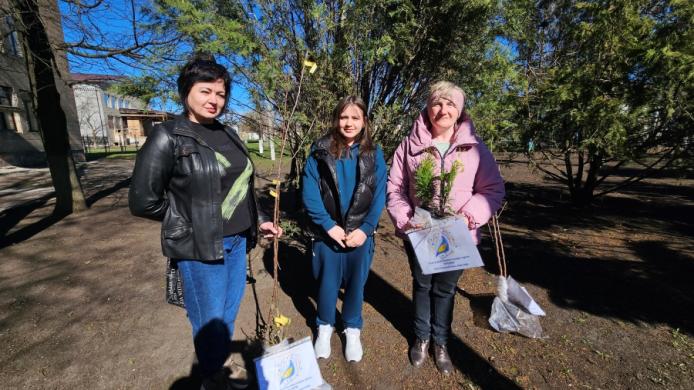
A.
x: 444, y: 89
x: 449, y: 91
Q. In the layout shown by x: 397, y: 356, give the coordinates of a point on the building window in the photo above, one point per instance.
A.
x: 6, y: 96
x: 10, y: 44
x: 7, y: 121
x: 31, y: 120
x: 106, y: 97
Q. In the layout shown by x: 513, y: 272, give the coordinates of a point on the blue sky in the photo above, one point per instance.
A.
x: 111, y: 19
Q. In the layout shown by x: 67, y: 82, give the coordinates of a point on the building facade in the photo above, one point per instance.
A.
x: 20, y: 139
x: 108, y: 119
x: 98, y: 110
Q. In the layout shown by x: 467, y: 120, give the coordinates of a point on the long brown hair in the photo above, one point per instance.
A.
x: 338, y: 145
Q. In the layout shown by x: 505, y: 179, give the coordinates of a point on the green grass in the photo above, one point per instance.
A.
x: 263, y: 162
x: 125, y: 156
x: 253, y: 147
x: 113, y: 154
x: 112, y: 149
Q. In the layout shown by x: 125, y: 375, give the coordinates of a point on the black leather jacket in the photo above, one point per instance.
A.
x: 330, y: 193
x: 177, y: 181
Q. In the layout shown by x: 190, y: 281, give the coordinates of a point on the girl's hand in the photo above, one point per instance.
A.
x: 269, y: 230
x: 355, y: 239
x: 337, y: 234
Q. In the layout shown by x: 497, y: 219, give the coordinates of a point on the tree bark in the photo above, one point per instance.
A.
x: 43, y: 70
x: 294, y: 170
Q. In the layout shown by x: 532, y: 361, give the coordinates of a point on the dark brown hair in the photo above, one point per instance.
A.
x: 201, y: 68
x: 338, y: 145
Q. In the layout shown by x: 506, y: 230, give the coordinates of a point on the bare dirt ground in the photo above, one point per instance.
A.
x: 81, y: 298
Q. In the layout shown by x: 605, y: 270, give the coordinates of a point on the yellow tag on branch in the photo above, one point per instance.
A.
x: 312, y: 66
x: 273, y: 193
x: 281, y: 321
x: 276, y: 181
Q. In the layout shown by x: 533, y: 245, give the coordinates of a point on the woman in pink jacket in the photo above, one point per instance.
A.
x: 442, y: 132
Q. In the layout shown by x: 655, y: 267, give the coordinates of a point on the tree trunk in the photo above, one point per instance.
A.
x: 296, y: 168
x: 293, y: 171
x: 582, y: 195
x: 268, y: 129
x: 42, y: 69
x: 272, y: 149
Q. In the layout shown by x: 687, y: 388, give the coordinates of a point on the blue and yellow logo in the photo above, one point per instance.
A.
x: 444, y: 247
x: 288, y: 372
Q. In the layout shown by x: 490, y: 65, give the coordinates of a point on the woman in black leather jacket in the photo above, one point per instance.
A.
x: 195, y: 175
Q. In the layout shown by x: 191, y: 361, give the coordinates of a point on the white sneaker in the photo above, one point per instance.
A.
x: 353, y: 350
x: 322, y: 345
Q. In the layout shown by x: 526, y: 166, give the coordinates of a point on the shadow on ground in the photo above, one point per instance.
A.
x: 295, y: 278
x: 11, y: 217
x: 248, y: 352
x: 397, y: 309
x: 648, y: 281
x: 297, y: 282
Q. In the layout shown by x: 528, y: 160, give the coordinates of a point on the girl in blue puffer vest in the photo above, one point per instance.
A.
x: 344, y: 193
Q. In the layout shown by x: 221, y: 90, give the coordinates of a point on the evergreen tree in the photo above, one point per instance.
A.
x: 605, y: 83
x: 388, y: 52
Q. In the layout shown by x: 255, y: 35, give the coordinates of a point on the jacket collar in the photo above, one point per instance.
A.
x: 420, y: 136
x: 183, y: 126
x: 323, y: 143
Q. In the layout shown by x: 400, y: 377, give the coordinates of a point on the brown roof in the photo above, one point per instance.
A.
x: 137, y: 113
x: 94, y: 78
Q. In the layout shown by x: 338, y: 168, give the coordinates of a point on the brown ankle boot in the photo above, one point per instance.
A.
x: 418, y: 352
x: 443, y: 361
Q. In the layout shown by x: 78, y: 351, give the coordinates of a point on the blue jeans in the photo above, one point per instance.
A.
x: 212, y: 291
x: 433, y: 298
x: 334, y: 267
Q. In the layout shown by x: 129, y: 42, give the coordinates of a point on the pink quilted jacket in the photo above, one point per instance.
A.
x: 477, y: 191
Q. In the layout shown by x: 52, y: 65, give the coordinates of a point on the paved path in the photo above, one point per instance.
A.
x: 20, y: 185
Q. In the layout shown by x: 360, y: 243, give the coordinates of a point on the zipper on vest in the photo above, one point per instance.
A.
x: 356, y: 187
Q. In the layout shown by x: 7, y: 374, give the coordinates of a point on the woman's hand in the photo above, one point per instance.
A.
x: 269, y: 230
x: 467, y: 222
x: 409, y: 225
x: 337, y: 234
x: 355, y: 239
